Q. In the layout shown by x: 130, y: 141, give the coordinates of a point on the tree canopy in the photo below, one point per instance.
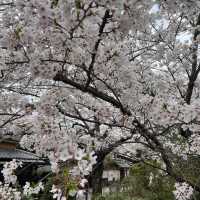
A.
x: 81, y: 78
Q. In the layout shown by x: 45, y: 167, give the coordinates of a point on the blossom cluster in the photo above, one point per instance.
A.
x: 28, y: 190
x: 8, y: 189
x: 8, y: 171
x: 183, y: 191
x: 57, y: 193
x: 9, y: 193
x: 115, y: 56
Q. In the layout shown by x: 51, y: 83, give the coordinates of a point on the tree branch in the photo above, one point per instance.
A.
x: 96, y: 46
x: 195, y: 71
x: 93, y: 91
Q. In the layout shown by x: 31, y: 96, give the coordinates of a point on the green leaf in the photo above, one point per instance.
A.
x: 66, y: 172
x: 18, y: 31
x: 78, y: 4
x: 87, y: 157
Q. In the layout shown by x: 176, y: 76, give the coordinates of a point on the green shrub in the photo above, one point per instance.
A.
x: 138, y: 187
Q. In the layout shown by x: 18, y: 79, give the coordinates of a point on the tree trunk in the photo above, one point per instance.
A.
x: 95, y: 179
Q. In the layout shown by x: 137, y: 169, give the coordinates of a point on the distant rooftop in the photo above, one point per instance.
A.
x: 18, y: 154
x: 123, y: 163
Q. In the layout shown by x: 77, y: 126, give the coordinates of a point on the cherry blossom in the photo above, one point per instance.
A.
x: 101, y: 74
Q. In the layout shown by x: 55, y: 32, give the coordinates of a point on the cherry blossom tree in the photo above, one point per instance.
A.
x: 102, y: 74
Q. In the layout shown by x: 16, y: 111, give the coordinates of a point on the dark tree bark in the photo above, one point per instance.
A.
x: 95, y: 178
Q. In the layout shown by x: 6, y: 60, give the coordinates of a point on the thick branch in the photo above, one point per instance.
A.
x: 157, y: 146
x: 96, y: 46
x: 78, y: 117
x: 93, y: 91
x: 195, y: 69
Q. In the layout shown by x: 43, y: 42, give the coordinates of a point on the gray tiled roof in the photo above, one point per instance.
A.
x: 122, y: 163
x: 18, y: 154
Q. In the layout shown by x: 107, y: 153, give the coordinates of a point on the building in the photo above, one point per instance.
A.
x: 115, y: 170
x: 9, y: 150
